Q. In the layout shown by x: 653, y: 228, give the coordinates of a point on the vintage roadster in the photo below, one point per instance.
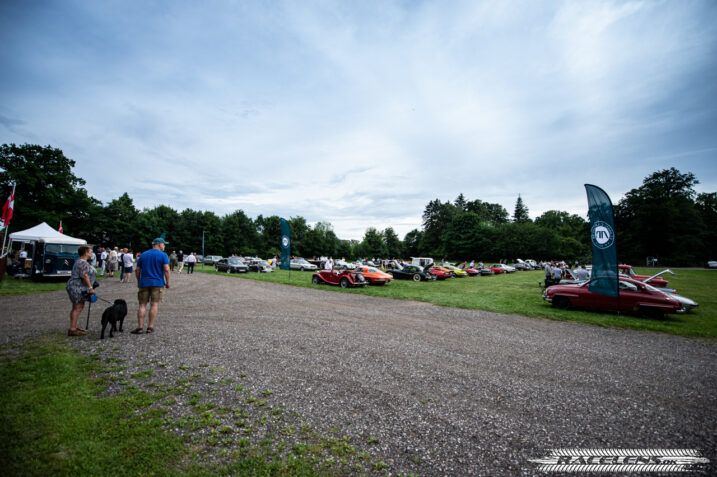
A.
x: 342, y: 278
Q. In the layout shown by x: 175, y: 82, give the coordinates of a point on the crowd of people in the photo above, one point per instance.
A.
x: 556, y: 271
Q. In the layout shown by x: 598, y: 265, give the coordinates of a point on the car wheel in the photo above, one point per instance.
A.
x: 301, y: 269
x: 315, y: 280
x: 561, y: 303
x: 416, y: 277
x: 344, y: 283
x: 453, y: 274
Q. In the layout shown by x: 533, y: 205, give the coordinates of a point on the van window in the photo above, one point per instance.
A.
x: 61, y: 248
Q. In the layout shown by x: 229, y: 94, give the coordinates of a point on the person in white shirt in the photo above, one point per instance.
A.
x: 103, y: 262
x: 191, y: 259
x: 128, y: 263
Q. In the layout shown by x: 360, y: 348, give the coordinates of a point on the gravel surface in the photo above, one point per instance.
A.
x: 426, y: 389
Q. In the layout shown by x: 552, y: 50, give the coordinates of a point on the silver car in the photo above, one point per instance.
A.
x: 301, y: 265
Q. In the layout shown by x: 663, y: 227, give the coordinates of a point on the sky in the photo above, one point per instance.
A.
x: 359, y: 113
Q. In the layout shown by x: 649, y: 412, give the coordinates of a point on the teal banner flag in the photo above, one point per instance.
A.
x: 604, y: 276
x: 285, y: 245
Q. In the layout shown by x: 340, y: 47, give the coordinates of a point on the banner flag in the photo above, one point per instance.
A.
x: 285, y: 245
x: 604, y: 276
x: 60, y: 229
x: 8, y: 209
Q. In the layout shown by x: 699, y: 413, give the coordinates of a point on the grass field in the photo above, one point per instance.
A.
x: 520, y: 294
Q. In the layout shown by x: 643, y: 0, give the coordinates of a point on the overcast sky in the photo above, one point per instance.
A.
x: 358, y: 112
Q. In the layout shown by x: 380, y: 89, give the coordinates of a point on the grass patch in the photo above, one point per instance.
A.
x: 519, y: 294
x: 54, y: 422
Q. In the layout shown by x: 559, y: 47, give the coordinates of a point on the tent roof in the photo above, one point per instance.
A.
x: 45, y: 233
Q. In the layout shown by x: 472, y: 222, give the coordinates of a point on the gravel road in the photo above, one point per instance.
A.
x: 430, y: 390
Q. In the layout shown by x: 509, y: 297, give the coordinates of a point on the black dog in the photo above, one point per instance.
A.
x: 112, y: 315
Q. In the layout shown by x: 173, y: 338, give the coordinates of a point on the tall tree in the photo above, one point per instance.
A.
x: 520, y: 215
x: 412, y: 242
x: 47, y: 189
x: 394, y: 247
x: 660, y: 219
x: 461, y: 202
x: 372, y: 245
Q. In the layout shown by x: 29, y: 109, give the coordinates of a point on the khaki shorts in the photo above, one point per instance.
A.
x: 154, y: 293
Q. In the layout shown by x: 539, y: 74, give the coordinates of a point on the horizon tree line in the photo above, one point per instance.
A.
x: 664, y: 218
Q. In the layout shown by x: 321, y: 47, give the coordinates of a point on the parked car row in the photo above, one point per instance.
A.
x: 241, y: 265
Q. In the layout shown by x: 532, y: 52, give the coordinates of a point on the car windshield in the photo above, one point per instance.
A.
x: 61, y: 248
x: 372, y: 270
x: 236, y: 261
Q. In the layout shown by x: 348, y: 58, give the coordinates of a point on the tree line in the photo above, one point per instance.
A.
x: 664, y: 218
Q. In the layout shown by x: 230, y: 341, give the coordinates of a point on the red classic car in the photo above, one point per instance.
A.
x: 655, y: 280
x: 343, y: 278
x: 439, y: 274
x: 496, y: 269
x: 472, y: 271
x: 634, y: 296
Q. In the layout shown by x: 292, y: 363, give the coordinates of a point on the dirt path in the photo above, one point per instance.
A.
x: 439, y: 391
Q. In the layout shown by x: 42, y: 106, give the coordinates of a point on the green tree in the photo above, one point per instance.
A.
x: 239, y: 234
x: 372, y: 244
x: 707, y: 208
x: 118, y: 222
x: 462, y: 236
x: 520, y: 215
x: 412, y: 242
x: 47, y: 190
x: 436, y: 217
x: 393, y: 244
x: 660, y: 219
x: 494, y: 214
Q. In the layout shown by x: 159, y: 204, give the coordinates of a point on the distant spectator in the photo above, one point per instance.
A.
x: 190, y: 260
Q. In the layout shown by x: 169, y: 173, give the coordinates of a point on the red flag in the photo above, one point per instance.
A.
x: 60, y: 229
x: 8, y: 209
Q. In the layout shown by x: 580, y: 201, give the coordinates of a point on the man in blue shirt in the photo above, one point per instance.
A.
x: 152, y: 274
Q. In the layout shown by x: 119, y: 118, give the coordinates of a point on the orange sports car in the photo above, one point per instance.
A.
x: 374, y: 275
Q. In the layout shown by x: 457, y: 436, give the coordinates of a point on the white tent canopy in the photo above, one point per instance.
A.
x: 44, y: 233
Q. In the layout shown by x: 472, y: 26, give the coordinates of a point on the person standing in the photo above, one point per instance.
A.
x: 128, y: 263
x: 103, y: 261
x: 180, y: 261
x: 172, y: 260
x: 120, y: 262
x: 112, y: 262
x: 191, y: 260
x: 152, y: 274
x: 79, y: 288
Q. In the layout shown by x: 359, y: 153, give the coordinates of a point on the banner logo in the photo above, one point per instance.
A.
x: 603, y: 236
x: 284, y: 241
x: 622, y: 460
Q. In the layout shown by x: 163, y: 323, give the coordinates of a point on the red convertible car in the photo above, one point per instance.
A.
x: 655, y: 281
x: 343, y: 278
x: 634, y: 296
